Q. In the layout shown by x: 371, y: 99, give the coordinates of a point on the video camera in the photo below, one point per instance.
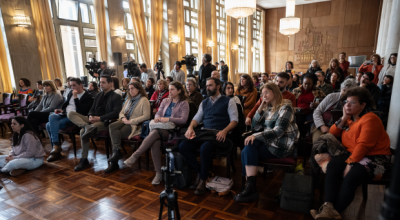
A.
x: 159, y: 65
x: 190, y: 61
x: 93, y: 66
x: 133, y: 69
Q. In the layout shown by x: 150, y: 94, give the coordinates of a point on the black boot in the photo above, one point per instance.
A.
x: 196, y: 182
x: 83, y: 163
x: 115, y: 156
x: 112, y: 167
x: 249, y: 193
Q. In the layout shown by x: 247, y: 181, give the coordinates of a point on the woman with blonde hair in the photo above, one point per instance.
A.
x: 51, y: 100
x: 314, y: 67
x: 276, y: 132
x: 59, y: 85
x: 334, y: 67
x: 374, y: 66
x: 159, y: 95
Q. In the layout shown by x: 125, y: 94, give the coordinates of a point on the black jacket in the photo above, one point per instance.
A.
x: 83, y: 105
x: 204, y: 73
x: 224, y: 73
x: 384, y: 99
x: 313, y: 71
x: 113, y: 106
x: 329, y: 73
x: 374, y: 91
x: 102, y: 72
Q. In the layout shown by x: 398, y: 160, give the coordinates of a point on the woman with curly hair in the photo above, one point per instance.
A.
x: 246, y: 88
x: 334, y: 67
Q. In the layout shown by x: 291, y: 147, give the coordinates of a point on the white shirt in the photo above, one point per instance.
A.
x: 118, y: 91
x: 148, y: 74
x: 232, y: 110
x: 71, y: 105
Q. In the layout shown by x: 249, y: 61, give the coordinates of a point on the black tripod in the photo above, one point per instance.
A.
x: 169, y: 197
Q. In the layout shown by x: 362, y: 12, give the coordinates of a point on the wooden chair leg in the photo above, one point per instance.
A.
x: 228, y: 166
x: 365, y: 191
x: 107, y: 146
x: 233, y: 163
x: 123, y: 148
x: 147, y: 159
x: 72, y: 136
x: 265, y: 172
x: 139, y: 163
x: 94, y: 144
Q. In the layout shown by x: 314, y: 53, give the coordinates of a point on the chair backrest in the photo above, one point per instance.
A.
x: 23, y: 100
x: 336, y: 115
x: 7, y: 97
x: 242, y: 99
x: 258, y: 95
x: 240, y: 128
x: 192, y: 112
x: 151, y: 108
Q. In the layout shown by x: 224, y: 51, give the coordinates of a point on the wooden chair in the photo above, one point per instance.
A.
x: 7, y: 102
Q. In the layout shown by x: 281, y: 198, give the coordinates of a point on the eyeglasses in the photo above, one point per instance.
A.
x: 350, y: 102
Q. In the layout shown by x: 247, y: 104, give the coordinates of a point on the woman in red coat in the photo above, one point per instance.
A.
x: 160, y: 94
x: 374, y: 66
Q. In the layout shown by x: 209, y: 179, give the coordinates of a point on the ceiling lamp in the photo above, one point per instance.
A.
x: 240, y: 8
x: 290, y: 24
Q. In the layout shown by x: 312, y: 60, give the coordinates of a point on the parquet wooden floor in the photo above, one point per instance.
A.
x: 55, y: 191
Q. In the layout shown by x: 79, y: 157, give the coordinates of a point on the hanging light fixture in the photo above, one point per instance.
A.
x: 240, y: 8
x: 290, y: 24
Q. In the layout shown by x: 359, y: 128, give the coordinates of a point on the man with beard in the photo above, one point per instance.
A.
x: 205, y: 72
x: 217, y: 113
x: 281, y: 81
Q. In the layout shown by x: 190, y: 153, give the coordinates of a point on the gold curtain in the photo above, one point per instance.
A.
x: 202, y: 30
x: 262, y: 49
x: 101, y: 29
x: 181, y: 32
x: 46, y: 39
x: 139, y: 29
x: 156, y: 30
x: 4, y: 68
x: 228, y: 60
x: 214, y: 30
x: 249, y: 39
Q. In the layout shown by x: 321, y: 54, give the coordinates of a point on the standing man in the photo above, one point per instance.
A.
x: 107, y: 105
x: 216, y: 66
x: 224, y: 72
x: 177, y: 74
x: 344, y: 64
x: 205, y: 72
x: 146, y: 73
x: 103, y: 70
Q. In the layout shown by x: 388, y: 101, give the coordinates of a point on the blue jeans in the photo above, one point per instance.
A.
x: 253, y: 152
x: 187, y: 149
x: 57, y: 122
x: 20, y: 163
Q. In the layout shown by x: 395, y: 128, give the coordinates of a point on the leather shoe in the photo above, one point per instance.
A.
x: 54, y: 157
x: 115, y: 156
x: 56, y: 150
x: 83, y: 163
x: 196, y: 182
x: 201, y: 188
x: 89, y: 130
x: 112, y: 167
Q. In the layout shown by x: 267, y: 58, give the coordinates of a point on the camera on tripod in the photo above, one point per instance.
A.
x: 190, y: 61
x: 132, y: 69
x: 159, y: 65
x: 93, y: 66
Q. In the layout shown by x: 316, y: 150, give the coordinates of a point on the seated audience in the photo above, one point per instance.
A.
x: 93, y: 89
x: 389, y: 70
x: 289, y: 68
x: 27, y: 152
x: 275, y: 140
x: 135, y: 111
x: 281, y: 81
x: 296, y: 79
x: 264, y: 78
x: 146, y: 73
x: 78, y: 101
x: 194, y: 95
x: 308, y: 95
x: 59, y: 84
x: 246, y: 88
x: 125, y: 82
x: 228, y: 90
x: 386, y: 94
x: 358, y: 77
x: 68, y: 89
x: 215, y: 74
x: 25, y: 89
x: 174, y: 109
x: 349, y: 77
x: 291, y: 83
x: 216, y: 112
x: 374, y: 66
x: 314, y: 67
x: 322, y: 115
x: 367, y: 82
x: 344, y: 64
x: 38, y: 92
x: 334, y: 80
x: 368, y: 146
x: 136, y: 79
x: 115, y: 86
x: 169, y: 79
x: 256, y: 82
x: 160, y: 94
x: 106, y: 106
x: 322, y: 84
x: 334, y: 67
x: 51, y: 101
x: 177, y: 74
x: 150, y: 87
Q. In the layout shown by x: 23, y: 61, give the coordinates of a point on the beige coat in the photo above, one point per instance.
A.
x: 139, y: 115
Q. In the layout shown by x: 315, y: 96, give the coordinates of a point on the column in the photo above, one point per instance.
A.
x: 383, y: 27
x: 393, y: 128
x: 393, y: 36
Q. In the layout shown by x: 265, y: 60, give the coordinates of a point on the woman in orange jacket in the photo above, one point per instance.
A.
x: 246, y: 88
x: 368, y: 146
x: 374, y: 66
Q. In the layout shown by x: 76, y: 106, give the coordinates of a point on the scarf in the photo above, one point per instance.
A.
x: 160, y: 95
x: 131, y: 106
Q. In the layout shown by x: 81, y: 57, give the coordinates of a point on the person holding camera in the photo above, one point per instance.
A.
x: 78, y: 101
x: 103, y: 70
x: 205, y: 72
x: 218, y: 113
x: 146, y: 73
x: 159, y: 74
x: 177, y: 74
x: 374, y: 66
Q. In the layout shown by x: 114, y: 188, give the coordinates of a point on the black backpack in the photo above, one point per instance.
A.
x: 297, y: 193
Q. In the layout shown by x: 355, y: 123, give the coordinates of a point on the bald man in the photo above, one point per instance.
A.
x: 215, y: 74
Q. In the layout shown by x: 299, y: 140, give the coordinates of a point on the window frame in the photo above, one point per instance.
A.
x: 134, y: 51
x: 257, y: 21
x: 242, y: 44
x: 221, y: 4
x: 194, y: 28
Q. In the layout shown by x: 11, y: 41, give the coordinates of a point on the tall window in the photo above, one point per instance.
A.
x: 131, y: 45
x: 3, y: 33
x: 242, y: 44
x: 221, y: 29
x: 256, y: 40
x: 191, y: 27
x: 74, y: 24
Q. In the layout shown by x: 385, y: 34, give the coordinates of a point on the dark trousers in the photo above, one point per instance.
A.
x: 188, y: 150
x: 342, y: 197
x: 37, y: 118
x: 253, y: 152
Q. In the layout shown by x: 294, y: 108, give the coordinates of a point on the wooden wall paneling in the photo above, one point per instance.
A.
x: 368, y: 23
x: 299, y: 13
x: 309, y: 10
x: 353, y: 12
x: 350, y: 35
x: 337, y: 12
x: 271, y: 29
x: 323, y: 9
x: 282, y: 41
x: 292, y: 39
x: 270, y: 64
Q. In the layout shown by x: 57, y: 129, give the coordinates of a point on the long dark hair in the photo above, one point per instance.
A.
x: 226, y: 85
x: 249, y: 82
x: 95, y: 86
x: 16, y: 138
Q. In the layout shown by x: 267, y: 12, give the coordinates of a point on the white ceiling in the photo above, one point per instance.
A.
x: 282, y: 3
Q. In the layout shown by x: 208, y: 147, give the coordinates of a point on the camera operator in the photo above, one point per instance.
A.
x: 177, y: 74
x: 161, y: 75
x: 103, y: 70
x: 132, y: 69
x: 146, y: 73
x: 205, y: 72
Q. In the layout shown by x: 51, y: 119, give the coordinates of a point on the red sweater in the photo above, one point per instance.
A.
x: 345, y: 66
x: 305, y: 99
x: 285, y: 95
x: 154, y: 97
x: 368, y: 68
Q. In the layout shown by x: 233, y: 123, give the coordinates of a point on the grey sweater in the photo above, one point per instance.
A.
x: 29, y: 147
x: 50, y: 102
x: 328, y: 101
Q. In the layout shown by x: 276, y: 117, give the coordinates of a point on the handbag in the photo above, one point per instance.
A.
x: 160, y: 125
